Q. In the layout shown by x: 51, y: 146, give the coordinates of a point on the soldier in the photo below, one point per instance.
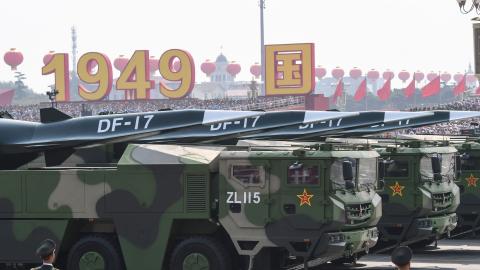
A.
x: 401, y: 257
x: 46, y: 251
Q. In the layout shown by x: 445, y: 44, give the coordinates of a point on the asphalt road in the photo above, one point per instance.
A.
x: 450, y: 255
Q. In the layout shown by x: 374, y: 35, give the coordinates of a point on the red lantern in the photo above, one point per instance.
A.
x: 404, y: 75
x: 320, y: 72
x: 233, y: 68
x: 388, y: 75
x: 48, y: 57
x: 120, y: 63
x: 13, y: 58
x: 153, y: 63
x: 338, y: 73
x: 208, y: 67
x: 373, y: 75
x: 431, y: 76
x: 445, y: 77
x: 256, y: 70
x: 355, y: 73
x: 419, y: 76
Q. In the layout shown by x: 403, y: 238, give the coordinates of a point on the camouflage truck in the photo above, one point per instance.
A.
x: 420, y: 195
x: 193, y: 207
x: 468, y: 175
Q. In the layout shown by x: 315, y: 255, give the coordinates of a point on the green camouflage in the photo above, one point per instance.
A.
x: 468, y: 176
x: 157, y: 195
x: 417, y: 208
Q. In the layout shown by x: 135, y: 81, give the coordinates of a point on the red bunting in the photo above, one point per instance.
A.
x: 384, y: 92
x: 338, y: 91
x: 410, y: 90
x: 432, y: 88
x: 361, y: 91
x: 460, y: 87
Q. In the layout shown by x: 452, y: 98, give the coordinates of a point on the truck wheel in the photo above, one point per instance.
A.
x: 344, y: 260
x: 202, y: 253
x: 94, y: 253
x: 422, y: 244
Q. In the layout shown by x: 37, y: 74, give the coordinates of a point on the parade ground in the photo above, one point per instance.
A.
x: 450, y: 255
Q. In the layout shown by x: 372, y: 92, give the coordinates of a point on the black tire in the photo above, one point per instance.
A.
x: 98, y: 244
x: 422, y: 244
x: 342, y: 261
x: 216, y: 254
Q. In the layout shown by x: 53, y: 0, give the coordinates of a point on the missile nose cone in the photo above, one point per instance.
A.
x: 215, y: 116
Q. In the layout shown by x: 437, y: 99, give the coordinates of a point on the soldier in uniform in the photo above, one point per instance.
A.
x: 401, y: 257
x: 46, y: 251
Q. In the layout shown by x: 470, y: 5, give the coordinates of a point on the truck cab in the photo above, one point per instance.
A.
x: 420, y: 195
x: 468, y: 175
x: 317, y: 202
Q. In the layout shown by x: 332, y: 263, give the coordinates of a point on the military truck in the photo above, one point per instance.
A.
x: 420, y: 195
x: 468, y: 175
x: 153, y: 206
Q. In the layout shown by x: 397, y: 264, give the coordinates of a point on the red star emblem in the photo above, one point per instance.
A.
x: 397, y: 189
x: 471, y: 181
x: 305, y: 198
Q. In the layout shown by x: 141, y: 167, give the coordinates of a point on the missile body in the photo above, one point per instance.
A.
x: 315, y: 130
x: 256, y: 125
x: 59, y: 131
x: 434, y: 118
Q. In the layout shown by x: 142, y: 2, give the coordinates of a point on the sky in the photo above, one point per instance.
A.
x: 395, y: 34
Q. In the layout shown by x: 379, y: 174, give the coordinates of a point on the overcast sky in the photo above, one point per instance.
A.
x: 397, y: 34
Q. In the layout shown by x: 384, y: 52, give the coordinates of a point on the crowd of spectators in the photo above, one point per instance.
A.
x: 449, y: 128
x: 76, y: 109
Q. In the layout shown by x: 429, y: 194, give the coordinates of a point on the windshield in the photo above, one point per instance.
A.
x: 447, y: 162
x: 367, y: 172
x: 364, y: 172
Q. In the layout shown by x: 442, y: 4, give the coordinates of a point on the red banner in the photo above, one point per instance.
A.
x: 432, y: 88
x: 361, y: 91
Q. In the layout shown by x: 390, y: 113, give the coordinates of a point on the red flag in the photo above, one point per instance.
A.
x: 410, y: 90
x: 432, y: 88
x: 338, y: 91
x: 361, y: 91
x: 384, y: 92
x: 460, y: 87
x: 478, y: 90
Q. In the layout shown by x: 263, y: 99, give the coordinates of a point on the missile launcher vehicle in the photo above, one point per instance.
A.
x: 194, y: 207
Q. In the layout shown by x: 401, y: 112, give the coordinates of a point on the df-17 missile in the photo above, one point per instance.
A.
x: 435, y: 118
x: 314, y: 130
x: 58, y: 134
x: 221, y: 132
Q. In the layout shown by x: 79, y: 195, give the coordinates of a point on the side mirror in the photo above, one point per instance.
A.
x: 347, y: 170
x: 381, y: 170
x: 381, y: 184
x: 437, y: 169
x: 458, y: 165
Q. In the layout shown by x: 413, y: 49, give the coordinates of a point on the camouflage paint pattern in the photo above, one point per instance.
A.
x: 468, y: 177
x: 304, y: 232
x: 409, y: 213
x: 154, y: 188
